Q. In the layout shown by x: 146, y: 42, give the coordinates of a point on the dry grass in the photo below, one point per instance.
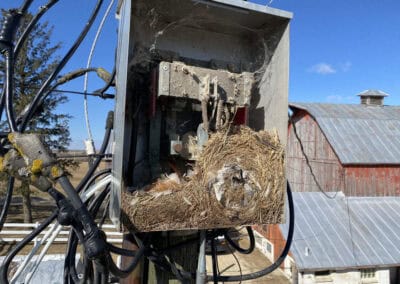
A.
x: 238, y: 180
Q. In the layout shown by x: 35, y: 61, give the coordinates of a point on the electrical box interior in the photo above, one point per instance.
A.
x: 183, y: 75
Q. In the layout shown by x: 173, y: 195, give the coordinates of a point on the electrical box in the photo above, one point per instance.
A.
x: 201, y: 114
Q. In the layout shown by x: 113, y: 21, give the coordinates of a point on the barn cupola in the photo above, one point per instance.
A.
x: 372, y: 97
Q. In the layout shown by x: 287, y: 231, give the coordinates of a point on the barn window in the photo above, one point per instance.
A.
x: 367, y: 273
x: 322, y: 273
x: 323, y: 276
x: 269, y: 248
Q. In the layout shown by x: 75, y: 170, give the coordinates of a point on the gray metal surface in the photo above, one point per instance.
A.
x: 122, y: 124
x: 345, y: 232
x: 359, y: 134
x: 181, y: 80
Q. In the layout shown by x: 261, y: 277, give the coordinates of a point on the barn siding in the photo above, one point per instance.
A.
x: 332, y: 176
x: 324, y: 162
x: 273, y: 233
x: 372, y: 180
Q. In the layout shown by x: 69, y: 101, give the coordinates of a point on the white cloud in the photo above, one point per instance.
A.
x: 322, y: 68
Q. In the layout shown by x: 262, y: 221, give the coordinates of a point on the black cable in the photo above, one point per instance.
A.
x: 75, y: 236
x: 93, y: 94
x: 46, y: 84
x: 137, y: 255
x: 237, y: 247
x: 214, y: 260
x: 23, y: 37
x: 28, y: 238
x: 96, y: 176
x: 237, y: 262
x: 308, y: 163
x: 7, y: 201
x: 123, y: 273
x: 87, y: 180
x: 280, y: 259
x: 64, y: 79
x: 145, y: 270
x: 93, y: 208
x: 25, y: 6
x: 43, y: 9
x: 120, y: 251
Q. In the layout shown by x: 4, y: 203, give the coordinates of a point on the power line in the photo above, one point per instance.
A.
x: 94, y: 94
x: 308, y: 160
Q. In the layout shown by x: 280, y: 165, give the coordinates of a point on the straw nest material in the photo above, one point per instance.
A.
x: 237, y: 180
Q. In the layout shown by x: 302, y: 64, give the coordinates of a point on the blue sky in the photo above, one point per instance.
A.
x: 339, y: 48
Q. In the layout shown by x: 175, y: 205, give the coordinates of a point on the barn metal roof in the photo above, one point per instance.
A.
x: 345, y: 232
x: 359, y: 134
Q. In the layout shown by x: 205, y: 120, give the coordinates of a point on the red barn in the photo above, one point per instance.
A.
x: 350, y: 148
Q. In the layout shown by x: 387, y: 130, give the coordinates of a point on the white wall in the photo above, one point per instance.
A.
x: 345, y: 277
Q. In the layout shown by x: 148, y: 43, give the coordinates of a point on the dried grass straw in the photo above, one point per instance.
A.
x: 246, y: 166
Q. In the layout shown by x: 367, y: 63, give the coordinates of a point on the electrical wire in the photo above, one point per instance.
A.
x: 96, y: 93
x: 237, y: 247
x: 23, y: 38
x: 214, y: 261
x: 9, y: 58
x: 293, y: 123
x: 93, y: 208
x: 94, y: 166
x: 25, y: 6
x: 85, y: 81
x: 64, y: 79
x: 237, y: 262
x: 20, y: 245
x: 42, y: 10
x: 60, y: 66
x: 86, y: 224
x: 279, y: 260
x: 7, y: 201
x: 86, y: 181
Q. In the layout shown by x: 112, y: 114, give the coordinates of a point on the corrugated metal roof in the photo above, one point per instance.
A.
x: 345, y: 232
x: 359, y: 134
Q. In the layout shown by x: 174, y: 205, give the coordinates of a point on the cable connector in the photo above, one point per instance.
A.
x: 89, y: 145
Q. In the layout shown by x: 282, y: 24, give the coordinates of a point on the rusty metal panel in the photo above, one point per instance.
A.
x: 372, y: 181
x: 324, y: 163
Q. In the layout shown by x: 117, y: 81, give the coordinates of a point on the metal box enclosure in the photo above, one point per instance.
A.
x: 214, y: 38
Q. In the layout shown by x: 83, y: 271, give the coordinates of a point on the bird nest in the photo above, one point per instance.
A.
x: 238, y: 179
